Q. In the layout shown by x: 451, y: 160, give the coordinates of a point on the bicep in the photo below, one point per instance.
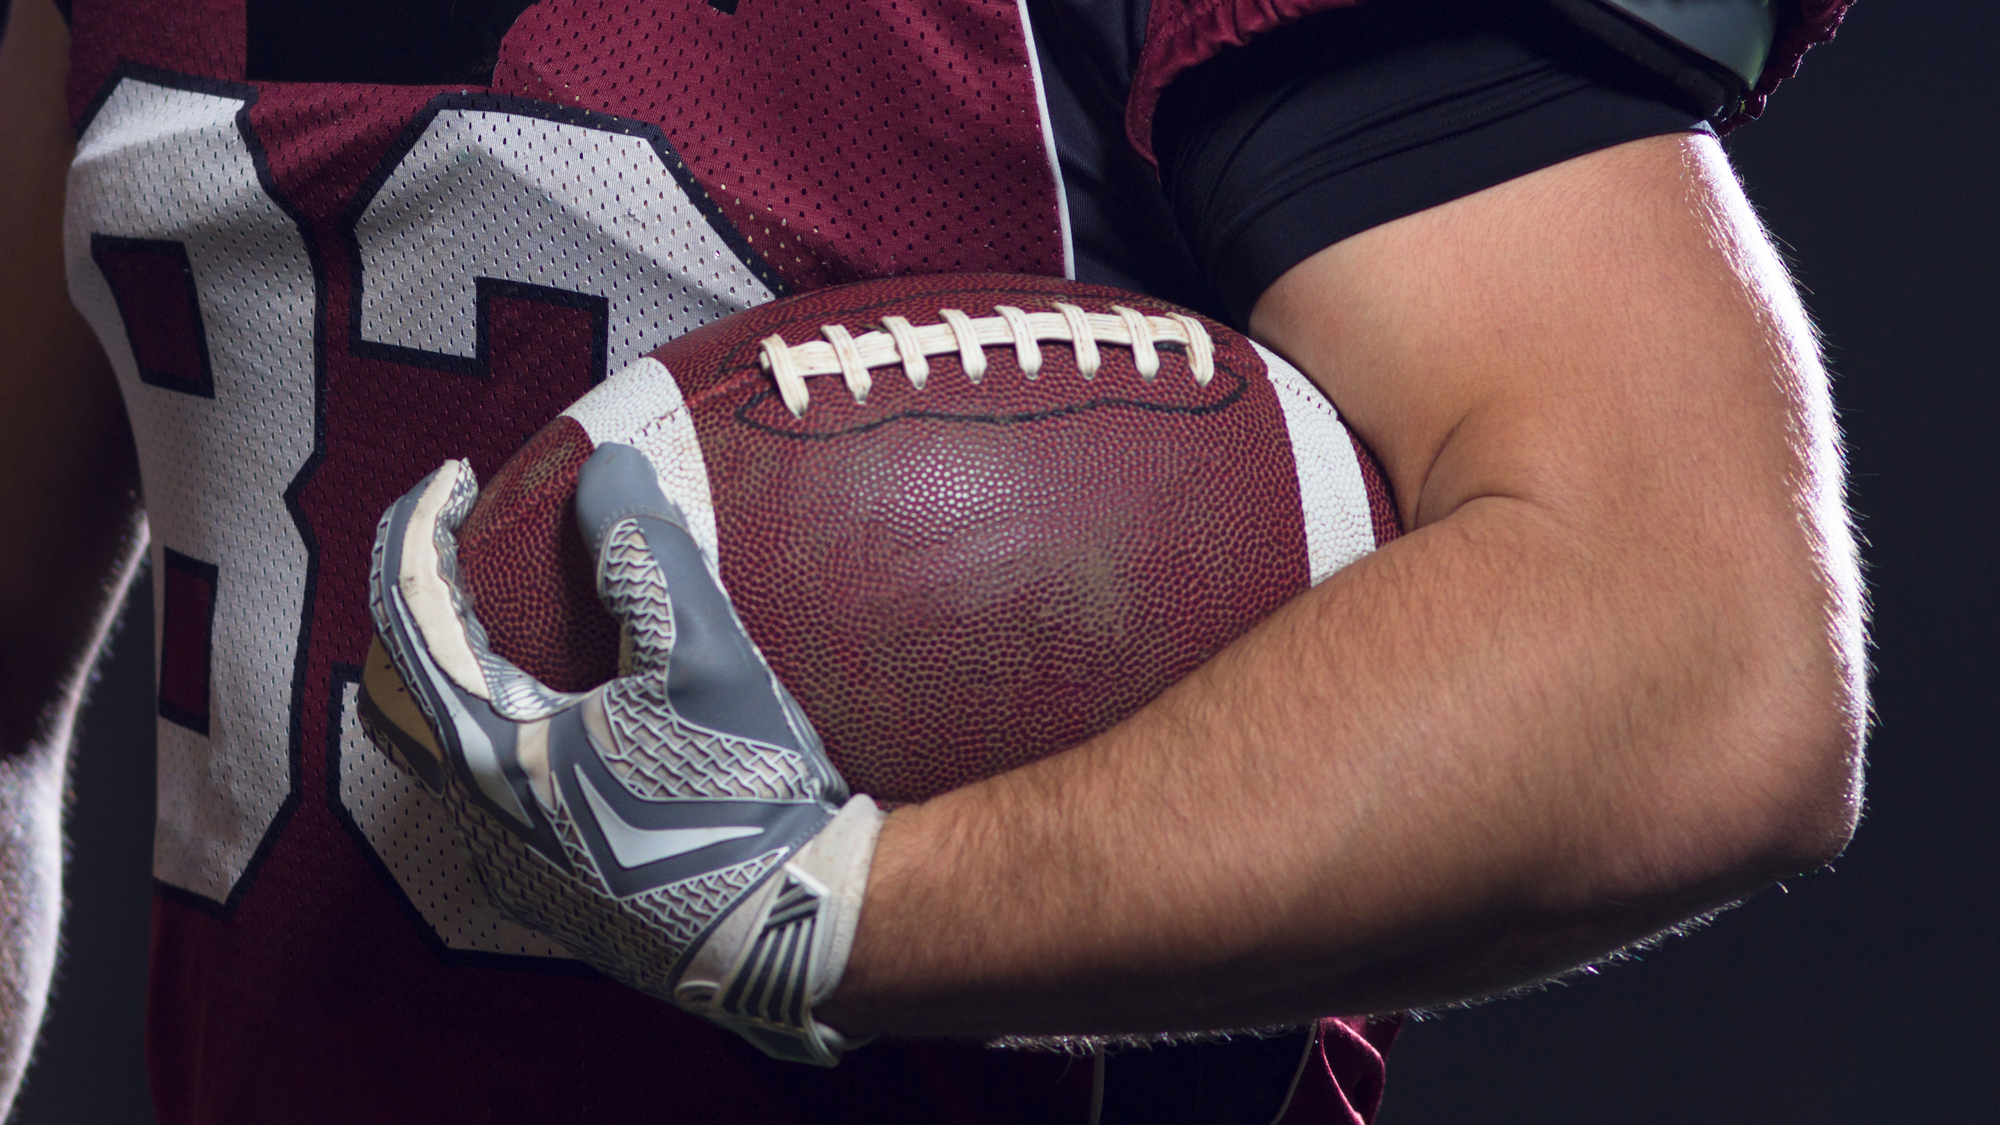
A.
x: 1609, y: 334
x: 1599, y: 377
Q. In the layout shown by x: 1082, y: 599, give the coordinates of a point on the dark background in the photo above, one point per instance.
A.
x: 1864, y: 994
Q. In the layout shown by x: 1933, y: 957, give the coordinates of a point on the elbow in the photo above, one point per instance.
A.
x: 1767, y: 799
x: 1765, y: 778
x: 1783, y: 761
x: 1813, y: 671
x: 1822, y: 802
x: 1810, y: 792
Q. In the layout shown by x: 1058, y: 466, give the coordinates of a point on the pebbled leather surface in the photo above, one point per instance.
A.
x: 955, y: 581
x: 532, y: 578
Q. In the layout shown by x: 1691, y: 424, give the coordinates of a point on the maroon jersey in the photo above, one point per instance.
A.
x: 315, y: 287
x: 314, y: 292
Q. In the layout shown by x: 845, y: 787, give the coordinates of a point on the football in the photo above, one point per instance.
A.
x: 971, y: 520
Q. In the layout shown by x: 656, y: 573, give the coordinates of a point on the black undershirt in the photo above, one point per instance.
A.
x: 1351, y: 119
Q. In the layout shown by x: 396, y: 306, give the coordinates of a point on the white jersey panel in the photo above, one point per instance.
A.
x: 486, y: 193
x: 1339, y: 527
x: 166, y: 164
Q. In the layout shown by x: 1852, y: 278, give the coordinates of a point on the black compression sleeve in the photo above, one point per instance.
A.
x: 1351, y: 119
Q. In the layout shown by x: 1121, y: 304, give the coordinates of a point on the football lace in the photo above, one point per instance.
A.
x: 899, y: 342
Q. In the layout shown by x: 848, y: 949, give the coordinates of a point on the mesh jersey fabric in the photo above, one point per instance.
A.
x: 390, y: 275
x: 315, y: 289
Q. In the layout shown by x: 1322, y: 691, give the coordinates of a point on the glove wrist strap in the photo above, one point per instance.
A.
x: 795, y: 952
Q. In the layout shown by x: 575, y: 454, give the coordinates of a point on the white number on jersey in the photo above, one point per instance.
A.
x: 201, y: 288
x: 486, y: 195
x: 170, y: 230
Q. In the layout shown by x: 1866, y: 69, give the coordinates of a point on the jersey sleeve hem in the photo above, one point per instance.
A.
x: 1184, y: 33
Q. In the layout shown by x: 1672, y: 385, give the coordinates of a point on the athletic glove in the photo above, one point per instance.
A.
x: 679, y: 828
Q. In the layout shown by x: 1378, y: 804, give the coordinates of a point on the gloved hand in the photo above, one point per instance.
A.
x: 679, y: 828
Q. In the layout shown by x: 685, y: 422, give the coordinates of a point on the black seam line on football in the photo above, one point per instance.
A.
x: 1109, y: 402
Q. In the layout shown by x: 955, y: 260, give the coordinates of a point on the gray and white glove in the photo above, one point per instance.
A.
x: 679, y: 828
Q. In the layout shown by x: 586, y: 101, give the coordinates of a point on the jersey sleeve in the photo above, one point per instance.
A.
x: 1181, y: 34
x: 1351, y: 119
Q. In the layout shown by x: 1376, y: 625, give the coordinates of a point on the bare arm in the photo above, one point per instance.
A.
x: 68, y: 484
x: 1611, y: 679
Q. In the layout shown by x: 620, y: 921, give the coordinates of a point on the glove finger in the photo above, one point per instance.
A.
x: 653, y: 577
x: 470, y: 696
x: 634, y: 588
x: 411, y: 578
x: 615, y: 486
x: 394, y: 722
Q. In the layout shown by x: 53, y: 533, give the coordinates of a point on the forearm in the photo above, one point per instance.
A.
x: 31, y: 889
x: 1610, y: 680
x: 32, y: 773
x: 1435, y: 777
